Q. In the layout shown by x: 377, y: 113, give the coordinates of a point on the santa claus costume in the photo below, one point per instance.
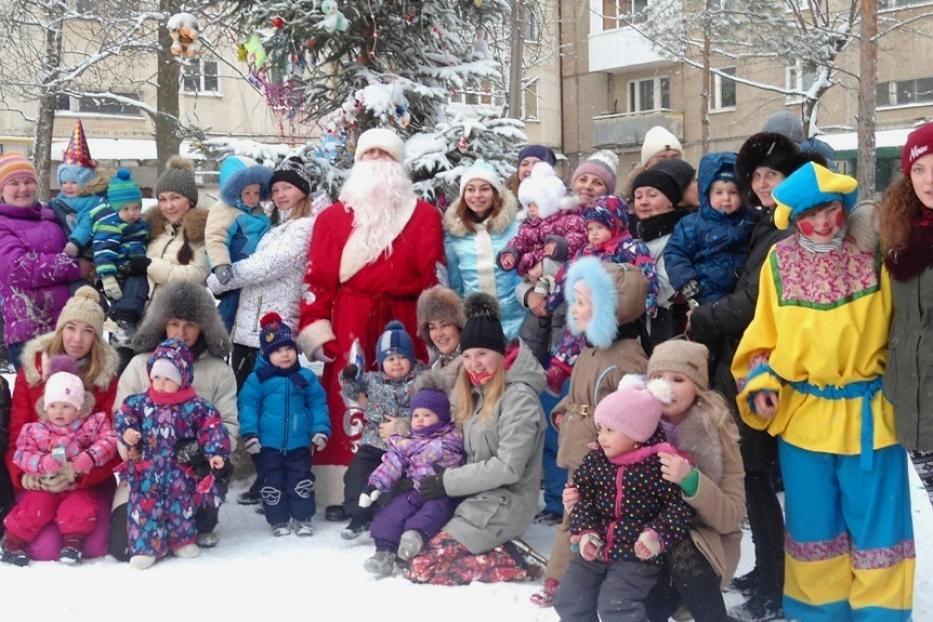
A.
x: 372, y: 253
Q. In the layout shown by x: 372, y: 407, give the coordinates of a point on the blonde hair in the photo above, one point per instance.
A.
x: 716, y: 413
x: 95, y: 358
x: 492, y: 393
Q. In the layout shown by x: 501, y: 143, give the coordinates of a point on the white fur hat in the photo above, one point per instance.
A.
x: 658, y: 139
x: 543, y: 188
x: 380, y: 138
x: 484, y: 171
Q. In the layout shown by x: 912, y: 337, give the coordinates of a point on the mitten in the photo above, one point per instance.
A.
x: 83, y: 463
x: 405, y: 484
x: 112, y: 288
x: 319, y: 441
x: 433, y: 486
x: 187, y: 451
x: 650, y: 541
x: 224, y: 273
x: 251, y: 444
x: 690, y: 289
x: 350, y: 373
x: 591, y: 546
x: 50, y: 464
x: 71, y: 249
x: 139, y: 265
x: 369, y: 496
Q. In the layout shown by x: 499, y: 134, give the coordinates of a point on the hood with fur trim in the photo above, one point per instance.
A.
x: 193, y: 223
x: 233, y: 186
x: 618, y: 295
x: 98, y: 183
x: 698, y: 437
x: 188, y: 301
x: 40, y: 346
x: 497, y: 224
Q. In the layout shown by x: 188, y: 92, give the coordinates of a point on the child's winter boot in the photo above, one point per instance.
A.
x: 381, y: 564
x: 187, y: 551
x: 142, y: 562
x: 410, y: 545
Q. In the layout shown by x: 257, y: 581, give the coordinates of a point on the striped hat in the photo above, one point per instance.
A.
x: 12, y: 166
x: 394, y: 340
x: 123, y: 191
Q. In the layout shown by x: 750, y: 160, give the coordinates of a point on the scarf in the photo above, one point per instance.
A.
x: 293, y: 372
x: 823, y: 247
x: 171, y: 399
x: 658, y: 226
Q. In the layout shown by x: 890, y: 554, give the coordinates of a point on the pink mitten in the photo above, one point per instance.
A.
x: 48, y: 464
x: 83, y: 463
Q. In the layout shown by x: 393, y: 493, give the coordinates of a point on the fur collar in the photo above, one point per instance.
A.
x: 40, y: 345
x: 98, y: 183
x: 193, y: 223
x: 496, y: 225
x: 697, y: 437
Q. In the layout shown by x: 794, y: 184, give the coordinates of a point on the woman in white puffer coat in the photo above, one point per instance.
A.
x: 271, y: 279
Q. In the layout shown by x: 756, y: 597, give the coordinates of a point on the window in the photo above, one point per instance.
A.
x: 618, y: 13
x: 62, y: 103
x: 890, y: 5
x: 529, y: 25
x: 799, y: 77
x: 904, y: 92
x: 83, y: 6
x: 650, y: 94
x: 476, y: 94
x: 722, y: 91
x: 728, y: 5
x: 530, y: 100
x: 200, y: 77
x: 99, y: 105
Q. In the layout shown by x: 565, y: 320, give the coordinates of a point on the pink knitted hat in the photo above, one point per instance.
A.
x: 63, y: 384
x: 635, y: 408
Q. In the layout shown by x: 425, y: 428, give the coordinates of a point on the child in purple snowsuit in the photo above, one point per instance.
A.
x: 164, y: 489
x: 409, y: 520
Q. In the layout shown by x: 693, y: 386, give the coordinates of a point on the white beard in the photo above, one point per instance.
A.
x: 376, y: 190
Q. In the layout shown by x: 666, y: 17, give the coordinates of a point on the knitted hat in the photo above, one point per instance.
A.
x: 635, y: 408
x: 175, y: 352
x: 655, y: 177
x: 178, y: 177
x: 64, y: 384
x: 683, y: 357
x: 12, y: 166
x: 483, y: 328
x: 681, y: 170
x: 658, y: 139
x: 439, y: 304
x: 77, y: 165
x: 769, y: 149
x: 83, y: 306
x: 292, y: 170
x: 380, y: 138
x: 483, y: 171
x: 603, y: 164
x: 787, y: 123
x: 123, y: 191
x: 610, y: 211
x: 274, y: 334
x: 543, y: 188
x: 919, y: 143
x: 809, y: 186
x: 618, y: 296
x: 238, y: 172
x: 394, y: 340
x: 545, y: 154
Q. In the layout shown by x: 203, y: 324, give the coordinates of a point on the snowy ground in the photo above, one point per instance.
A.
x: 252, y: 575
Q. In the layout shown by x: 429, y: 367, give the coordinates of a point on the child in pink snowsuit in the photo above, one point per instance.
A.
x: 64, y: 438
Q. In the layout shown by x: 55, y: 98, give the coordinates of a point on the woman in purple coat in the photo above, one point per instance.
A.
x: 34, y: 272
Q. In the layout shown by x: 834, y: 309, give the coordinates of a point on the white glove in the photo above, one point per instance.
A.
x: 112, y: 288
x: 319, y: 355
x: 252, y: 445
x: 649, y: 540
x: 367, y: 500
x: 591, y: 546
x: 319, y: 441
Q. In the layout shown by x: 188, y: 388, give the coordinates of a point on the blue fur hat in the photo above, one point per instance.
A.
x: 237, y: 172
x: 618, y: 294
x: 75, y: 173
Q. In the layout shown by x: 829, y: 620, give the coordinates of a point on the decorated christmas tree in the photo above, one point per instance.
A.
x: 351, y: 66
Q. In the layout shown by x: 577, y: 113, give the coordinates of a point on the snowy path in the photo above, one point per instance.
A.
x: 252, y: 575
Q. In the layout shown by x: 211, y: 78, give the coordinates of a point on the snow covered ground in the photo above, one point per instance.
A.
x: 251, y: 575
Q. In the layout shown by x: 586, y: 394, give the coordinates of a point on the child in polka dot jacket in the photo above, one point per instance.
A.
x: 627, y: 514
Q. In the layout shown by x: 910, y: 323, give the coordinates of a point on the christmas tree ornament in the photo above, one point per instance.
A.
x: 278, y: 22
x: 478, y: 4
x: 334, y: 20
x: 256, y: 56
x: 311, y: 43
x: 184, y: 30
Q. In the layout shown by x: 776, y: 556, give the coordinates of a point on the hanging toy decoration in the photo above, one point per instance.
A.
x: 334, y: 20
x: 402, y: 116
x: 278, y: 22
x: 184, y: 30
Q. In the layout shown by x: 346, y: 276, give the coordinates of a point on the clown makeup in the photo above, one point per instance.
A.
x: 614, y: 443
x: 821, y: 224
x: 582, y: 310
x: 444, y: 335
x: 597, y: 233
x: 396, y: 366
x: 764, y: 180
x: 650, y: 201
x: 61, y: 413
x: 921, y: 178
x: 724, y: 197
x: 589, y: 188
x: 422, y: 418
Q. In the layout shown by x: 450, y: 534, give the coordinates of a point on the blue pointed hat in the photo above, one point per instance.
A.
x: 810, y: 186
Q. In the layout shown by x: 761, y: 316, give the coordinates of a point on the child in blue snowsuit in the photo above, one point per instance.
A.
x: 165, y: 492
x: 283, y: 411
x: 236, y: 223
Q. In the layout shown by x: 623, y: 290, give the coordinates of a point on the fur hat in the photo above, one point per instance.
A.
x: 610, y: 211
x: 184, y: 300
x: 380, y: 138
x: 439, y: 304
x: 769, y: 149
x: 658, y: 139
x: 274, y: 334
x: 83, y: 306
x: 12, y: 166
x: 919, y: 143
x: 635, y: 408
x: 394, y: 340
x: 810, y: 186
x: 292, y: 170
x: 177, y: 354
x: 787, y: 123
x: 543, y: 188
x: 483, y: 328
x: 618, y: 293
x: 683, y: 357
x: 238, y: 172
x: 545, y: 154
x: 123, y: 191
x: 484, y: 171
x: 64, y: 384
x: 603, y: 164
x: 178, y: 177
x: 431, y: 393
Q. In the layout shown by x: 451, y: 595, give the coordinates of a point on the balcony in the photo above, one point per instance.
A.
x: 622, y: 49
x: 616, y: 131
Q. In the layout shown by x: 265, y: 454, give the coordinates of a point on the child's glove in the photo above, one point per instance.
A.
x: 139, y: 265
x: 648, y: 544
x: 223, y: 272
x: 433, y: 486
x: 112, y: 288
x: 83, y: 463
x: 350, y: 373
x: 319, y: 441
x: 369, y: 496
x: 187, y: 451
x: 71, y: 249
x: 590, y: 545
x: 50, y: 464
x: 251, y: 444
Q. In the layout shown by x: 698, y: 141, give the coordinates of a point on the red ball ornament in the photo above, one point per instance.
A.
x: 311, y: 43
x: 278, y: 21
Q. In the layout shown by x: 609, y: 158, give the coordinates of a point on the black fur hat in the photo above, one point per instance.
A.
x: 439, y: 304
x: 776, y: 151
x: 188, y: 301
x: 483, y: 329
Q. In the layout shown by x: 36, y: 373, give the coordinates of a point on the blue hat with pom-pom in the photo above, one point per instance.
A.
x: 394, y: 340
x: 122, y: 190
